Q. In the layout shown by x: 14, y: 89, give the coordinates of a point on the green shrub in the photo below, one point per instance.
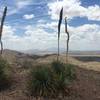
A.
x: 64, y: 74
x: 27, y: 64
x: 4, y: 74
x: 70, y: 72
x: 50, y: 81
x: 58, y: 67
x: 41, y: 82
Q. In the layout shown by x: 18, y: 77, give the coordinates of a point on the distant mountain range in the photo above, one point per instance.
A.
x: 16, y: 57
x: 41, y: 52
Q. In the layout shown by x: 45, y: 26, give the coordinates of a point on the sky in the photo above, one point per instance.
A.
x: 32, y: 24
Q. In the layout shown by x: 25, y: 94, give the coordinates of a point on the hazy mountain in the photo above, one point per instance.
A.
x: 54, y: 51
x: 14, y: 56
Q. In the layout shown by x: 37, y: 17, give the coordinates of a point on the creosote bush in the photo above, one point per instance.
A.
x: 51, y: 80
x: 4, y: 74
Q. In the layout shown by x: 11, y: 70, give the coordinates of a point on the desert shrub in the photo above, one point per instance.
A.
x: 70, y: 72
x: 64, y: 74
x: 52, y: 80
x: 41, y: 82
x: 4, y: 74
x: 27, y: 64
x: 58, y: 67
x: 65, y: 70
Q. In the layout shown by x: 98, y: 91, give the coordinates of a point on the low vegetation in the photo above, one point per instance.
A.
x: 27, y: 64
x: 41, y: 82
x: 4, y: 75
x: 51, y: 80
x: 63, y: 74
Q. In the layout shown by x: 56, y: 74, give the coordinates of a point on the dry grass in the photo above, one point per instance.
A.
x: 86, y: 87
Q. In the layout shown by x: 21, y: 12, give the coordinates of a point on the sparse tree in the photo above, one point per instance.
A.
x: 67, y: 42
x: 1, y: 27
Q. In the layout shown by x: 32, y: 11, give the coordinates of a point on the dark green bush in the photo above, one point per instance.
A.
x: 51, y: 80
x: 64, y: 74
x: 4, y: 74
x: 58, y: 67
x: 41, y: 82
x: 65, y: 70
x: 70, y: 72
x: 27, y: 64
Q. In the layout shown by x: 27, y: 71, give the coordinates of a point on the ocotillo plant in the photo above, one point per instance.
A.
x: 59, y: 26
x: 68, y: 37
x: 1, y: 27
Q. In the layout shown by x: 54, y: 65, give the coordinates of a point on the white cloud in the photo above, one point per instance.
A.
x: 18, y: 4
x: 13, y: 41
x: 41, y: 21
x: 27, y: 16
x: 93, y: 12
x: 85, y: 37
x: 22, y: 3
x: 34, y: 38
x: 73, y: 8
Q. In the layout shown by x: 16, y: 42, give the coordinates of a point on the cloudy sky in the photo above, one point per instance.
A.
x: 32, y: 24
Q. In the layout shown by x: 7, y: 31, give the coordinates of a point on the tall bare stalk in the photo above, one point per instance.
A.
x: 59, y: 26
x: 1, y: 27
x: 67, y: 42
